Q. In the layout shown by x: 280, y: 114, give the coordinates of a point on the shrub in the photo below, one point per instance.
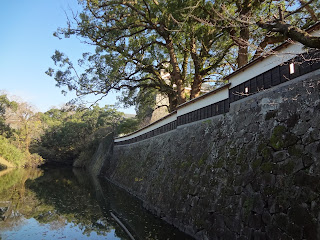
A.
x: 11, y: 153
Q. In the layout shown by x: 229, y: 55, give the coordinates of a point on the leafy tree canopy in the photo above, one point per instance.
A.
x: 5, y: 104
x: 139, y: 42
x: 71, y: 131
x: 136, y: 43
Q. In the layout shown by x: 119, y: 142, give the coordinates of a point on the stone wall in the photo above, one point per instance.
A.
x: 99, y: 159
x: 252, y: 173
x: 95, y: 156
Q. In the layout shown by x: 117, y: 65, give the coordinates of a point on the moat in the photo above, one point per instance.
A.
x: 71, y: 204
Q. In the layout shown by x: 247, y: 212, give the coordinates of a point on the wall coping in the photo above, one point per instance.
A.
x: 151, y: 124
x: 204, y: 95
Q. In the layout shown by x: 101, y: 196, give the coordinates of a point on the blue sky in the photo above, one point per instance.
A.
x: 26, y: 47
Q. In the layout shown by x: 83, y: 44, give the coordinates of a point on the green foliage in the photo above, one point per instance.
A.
x: 11, y: 153
x: 8, y: 181
x: 19, y: 126
x: 143, y: 100
x: 34, y: 160
x: 5, y: 104
x: 128, y: 125
x: 16, y: 156
x: 135, y: 42
x: 51, y: 199
x: 75, y: 132
x: 194, y: 41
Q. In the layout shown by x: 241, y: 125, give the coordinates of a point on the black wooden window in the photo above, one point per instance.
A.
x: 260, y: 85
x: 284, y: 73
x: 275, y: 75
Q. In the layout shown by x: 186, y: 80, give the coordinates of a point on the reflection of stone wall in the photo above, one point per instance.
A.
x: 252, y: 172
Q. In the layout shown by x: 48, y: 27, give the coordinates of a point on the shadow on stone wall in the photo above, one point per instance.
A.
x: 251, y: 173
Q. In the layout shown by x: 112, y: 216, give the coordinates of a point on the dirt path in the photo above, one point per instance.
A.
x: 4, y: 172
x: 6, y: 163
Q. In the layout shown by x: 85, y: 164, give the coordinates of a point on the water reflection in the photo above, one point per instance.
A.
x: 69, y: 204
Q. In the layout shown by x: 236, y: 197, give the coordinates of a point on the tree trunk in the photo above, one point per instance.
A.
x: 196, y: 86
x: 243, y: 46
x: 172, y: 102
x: 176, y: 74
x: 197, y: 79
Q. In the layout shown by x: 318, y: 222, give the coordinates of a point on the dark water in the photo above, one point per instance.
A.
x: 70, y: 204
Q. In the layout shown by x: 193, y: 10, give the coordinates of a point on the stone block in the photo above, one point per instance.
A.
x: 258, y: 235
x: 266, y: 217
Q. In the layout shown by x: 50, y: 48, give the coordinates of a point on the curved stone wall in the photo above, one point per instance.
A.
x: 250, y: 173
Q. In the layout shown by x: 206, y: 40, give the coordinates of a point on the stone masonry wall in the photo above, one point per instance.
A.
x: 253, y: 173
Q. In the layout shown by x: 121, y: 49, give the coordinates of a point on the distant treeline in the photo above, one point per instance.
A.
x: 29, y: 138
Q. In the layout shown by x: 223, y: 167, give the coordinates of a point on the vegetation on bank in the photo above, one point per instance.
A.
x: 76, y: 132
x: 11, y: 153
x: 29, y: 138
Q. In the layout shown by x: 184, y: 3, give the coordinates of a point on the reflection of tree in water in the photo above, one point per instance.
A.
x: 55, y: 198
x: 61, y: 199
x: 72, y: 202
x: 16, y: 203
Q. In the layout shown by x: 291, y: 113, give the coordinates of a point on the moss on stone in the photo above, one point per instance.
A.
x: 281, y: 138
x: 264, y: 150
x: 185, y: 164
x: 206, y: 122
x: 233, y: 152
x: 203, y: 159
x: 293, y: 151
x: 276, y: 140
x: 256, y: 163
x: 288, y: 168
x: 219, y: 163
x: 271, y: 114
x: 247, y: 207
x: 267, y: 167
x: 270, y: 191
x: 242, y: 156
x: 199, y: 223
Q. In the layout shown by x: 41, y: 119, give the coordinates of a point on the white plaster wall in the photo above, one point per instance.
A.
x: 268, y: 63
x: 214, y: 98
x: 206, y: 101
x: 169, y: 119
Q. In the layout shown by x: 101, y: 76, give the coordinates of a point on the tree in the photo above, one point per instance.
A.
x: 208, y: 47
x: 25, y: 120
x: 19, y: 125
x: 75, y: 130
x: 254, y: 25
x: 137, y: 40
x: 221, y: 15
x: 132, y: 43
x: 5, y: 104
x: 193, y: 41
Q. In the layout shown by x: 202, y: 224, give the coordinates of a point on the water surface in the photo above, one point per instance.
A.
x: 70, y: 204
